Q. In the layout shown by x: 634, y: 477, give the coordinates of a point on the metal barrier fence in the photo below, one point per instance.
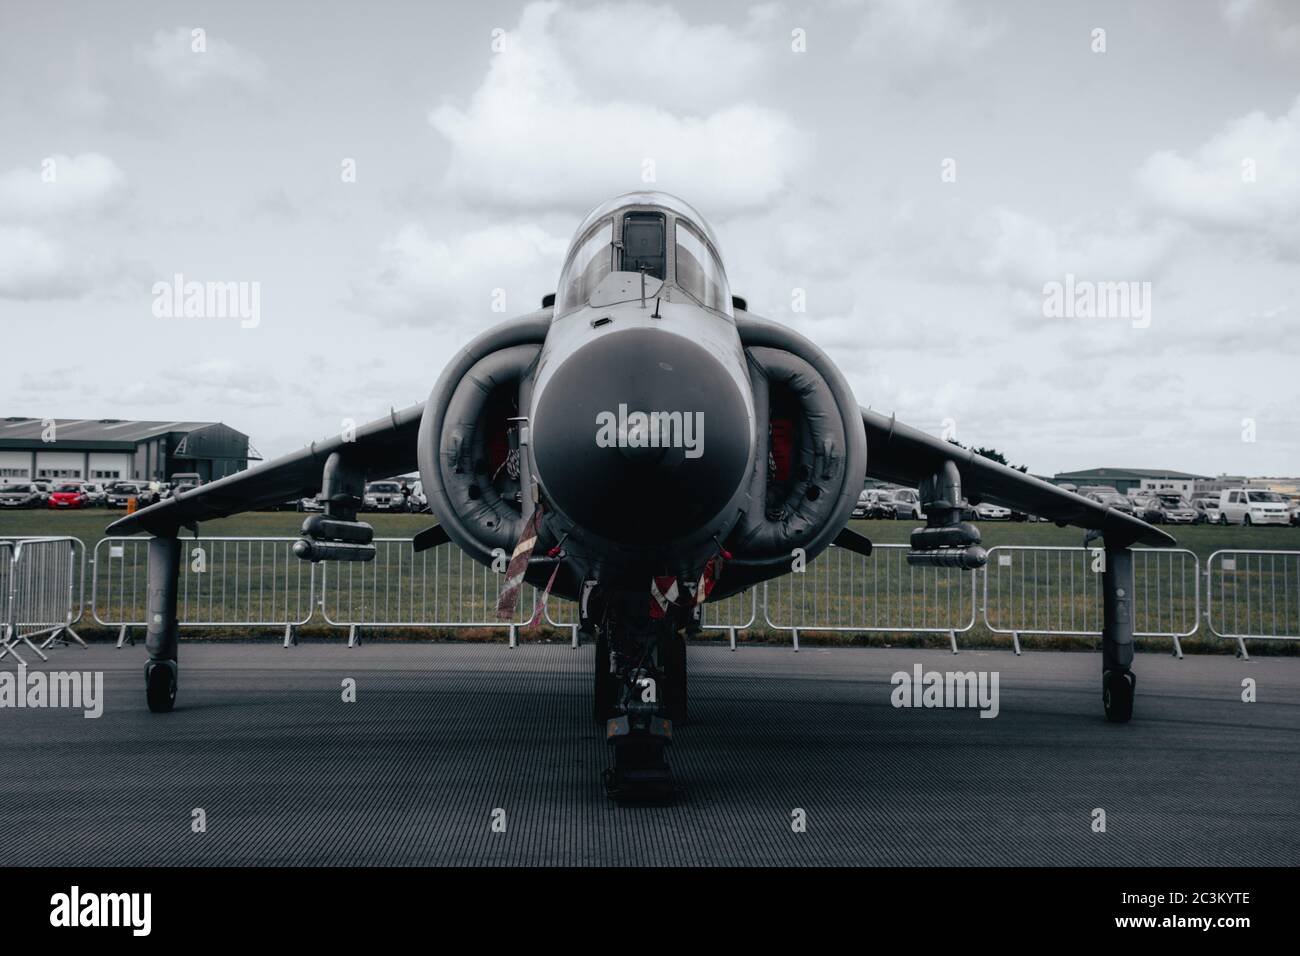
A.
x: 1025, y: 590
x: 739, y: 612
x: 845, y: 591
x: 1253, y: 594
x: 44, y: 584
x: 224, y: 582
x: 440, y: 587
x: 1057, y: 590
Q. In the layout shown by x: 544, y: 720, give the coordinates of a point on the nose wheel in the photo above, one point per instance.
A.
x: 640, y: 774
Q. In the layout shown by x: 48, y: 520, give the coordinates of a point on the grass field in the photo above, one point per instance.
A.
x: 401, y: 589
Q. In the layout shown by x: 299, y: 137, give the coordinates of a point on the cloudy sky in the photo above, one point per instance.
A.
x: 915, y: 172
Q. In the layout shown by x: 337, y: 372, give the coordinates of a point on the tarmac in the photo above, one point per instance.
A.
x: 477, y: 754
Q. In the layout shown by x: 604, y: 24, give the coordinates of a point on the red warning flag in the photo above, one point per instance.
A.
x: 708, y: 578
x: 508, y: 602
x: 663, y: 592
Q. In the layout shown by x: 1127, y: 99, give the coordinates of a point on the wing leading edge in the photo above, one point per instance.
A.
x: 906, y: 455
x: 380, y: 448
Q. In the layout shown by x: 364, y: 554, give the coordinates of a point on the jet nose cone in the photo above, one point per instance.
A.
x: 641, y: 436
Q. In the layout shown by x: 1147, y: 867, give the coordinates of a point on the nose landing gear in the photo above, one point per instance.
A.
x: 639, y: 693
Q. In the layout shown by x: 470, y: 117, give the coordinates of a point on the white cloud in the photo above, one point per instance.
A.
x: 552, y: 125
x: 35, y: 266
x: 1276, y: 21
x: 913, y: 41
x: 427, y: 281
x: 174, y: 59
x: 1022, y: 250
x: 676, y: 64
x: 60, y: 186
x: 1210, y: 187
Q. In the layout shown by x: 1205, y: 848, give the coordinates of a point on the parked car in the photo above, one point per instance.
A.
x: 1178, y: 510
x: 1092, y: 491
x: 1149, y: 508
x: 1207, y: 509
x: 1250, y: 506
x: 70, y: 494
x: 418, y: 502
x: 190, y: 478
x: 1113, y: 500
x: 20, y: 494
x: 383, y: 496
x: 862, y: 509
x: 986, y: 511
x: 905, y: 503
x: 95, y: 494
x: 43, y: 488
x: 121, y: 491
x: 311, y: 504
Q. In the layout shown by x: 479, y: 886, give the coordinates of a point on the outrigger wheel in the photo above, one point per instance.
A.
x: 160, y: 685
x: 1117, y: 689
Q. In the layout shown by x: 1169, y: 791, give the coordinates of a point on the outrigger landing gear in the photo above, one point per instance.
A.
x: 1118, y: 682
x: 639, y: 690
x: 161, y: 671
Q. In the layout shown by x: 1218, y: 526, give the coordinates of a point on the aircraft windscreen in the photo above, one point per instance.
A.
x: 590, y: 262
x: 643, y: 244
x: 699, y: 272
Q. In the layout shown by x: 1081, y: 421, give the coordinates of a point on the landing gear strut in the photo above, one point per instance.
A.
x: 1118, y: 682
x: 160, y: 627
x: 639, y: 692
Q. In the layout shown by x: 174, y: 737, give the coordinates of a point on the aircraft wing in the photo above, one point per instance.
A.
x: 383, y: 448
x: 906, y: 455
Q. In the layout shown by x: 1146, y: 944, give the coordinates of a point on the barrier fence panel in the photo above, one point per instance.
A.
x: 1253, y: 595
x: 223, y: 582
x: 845, y: 591
x: 439, y: 587
x: 1058, y: 590
x: 233, y: 581
x: 45, y: 581
x: 6, y: 594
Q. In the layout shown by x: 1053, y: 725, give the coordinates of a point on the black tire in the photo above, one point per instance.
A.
x: 1245, y: 521
x: 1117, y: 691
x: 672, y: 655
x: 160, y: 686
x: 604, y: 684
x: 1223, y: 520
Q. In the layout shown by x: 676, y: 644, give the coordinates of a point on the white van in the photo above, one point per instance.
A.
x: 1248, y: 506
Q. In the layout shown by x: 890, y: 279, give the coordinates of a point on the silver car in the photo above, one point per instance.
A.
x: 20, y: 494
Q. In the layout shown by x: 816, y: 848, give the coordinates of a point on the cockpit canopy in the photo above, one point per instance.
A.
x: 644, y: 232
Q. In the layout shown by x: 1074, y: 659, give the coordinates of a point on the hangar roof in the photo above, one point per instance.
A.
x: 1126, y: 473
x: 107, y: 430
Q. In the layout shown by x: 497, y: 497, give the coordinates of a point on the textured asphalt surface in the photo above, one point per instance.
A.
x: 442, y: 735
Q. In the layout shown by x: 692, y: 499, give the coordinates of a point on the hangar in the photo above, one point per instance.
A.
x: 1124, y: 480
x: 104, y: 449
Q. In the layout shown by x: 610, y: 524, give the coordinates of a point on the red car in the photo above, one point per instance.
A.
x: 67, y: 496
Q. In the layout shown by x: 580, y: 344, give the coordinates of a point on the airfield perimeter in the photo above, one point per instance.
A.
x: 442, y: 735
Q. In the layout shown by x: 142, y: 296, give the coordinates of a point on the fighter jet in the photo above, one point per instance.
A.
x: 641, y: 444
